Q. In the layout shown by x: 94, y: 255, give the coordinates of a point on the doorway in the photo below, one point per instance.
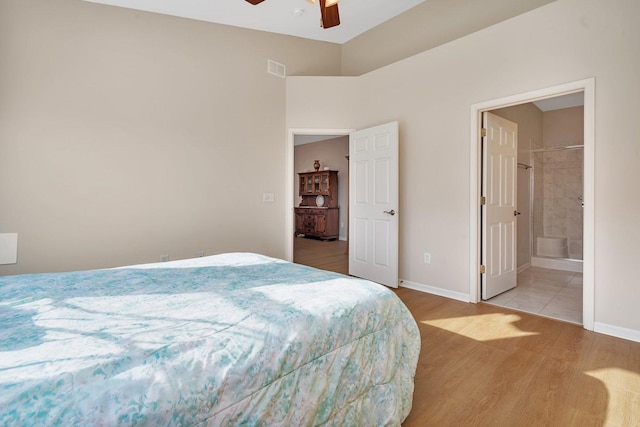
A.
x: 586, y: 87
x: 549, y: 208
x: 371, y: 200
x: 329, y: 147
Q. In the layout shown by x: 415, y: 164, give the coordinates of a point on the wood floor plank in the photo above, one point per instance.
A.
x: 484, y: 365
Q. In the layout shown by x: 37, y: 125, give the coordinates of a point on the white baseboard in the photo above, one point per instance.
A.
x: 617, y: 331
x: 524, y: 267
x: 435, y: 290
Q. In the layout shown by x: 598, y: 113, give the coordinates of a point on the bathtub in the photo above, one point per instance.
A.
x: 552, y: 246
x: 553, y: 252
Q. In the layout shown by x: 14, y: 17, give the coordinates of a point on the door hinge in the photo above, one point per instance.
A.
x: 482, y: 269
x: 483, y: 132
x: 483, y: 200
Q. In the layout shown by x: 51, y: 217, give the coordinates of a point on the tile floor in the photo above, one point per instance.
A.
x: 550, y: 293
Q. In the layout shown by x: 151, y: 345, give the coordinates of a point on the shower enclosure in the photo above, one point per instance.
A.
x: 557, y: 207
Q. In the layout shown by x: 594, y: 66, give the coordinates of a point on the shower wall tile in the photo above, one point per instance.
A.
x: 575, y: 249
x: 548, y: 190
x: 558, y: 180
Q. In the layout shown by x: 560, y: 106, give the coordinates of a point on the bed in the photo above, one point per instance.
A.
x: 231, y: 339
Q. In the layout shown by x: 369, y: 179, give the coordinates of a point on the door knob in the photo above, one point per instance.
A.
x: 391, y: 212
x: 515, y: 213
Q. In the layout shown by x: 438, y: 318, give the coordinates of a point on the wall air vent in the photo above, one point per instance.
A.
x: 276, y: 68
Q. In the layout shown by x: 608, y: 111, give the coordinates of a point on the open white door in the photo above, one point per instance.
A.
x: 373, y: 204
x: 499, y: 212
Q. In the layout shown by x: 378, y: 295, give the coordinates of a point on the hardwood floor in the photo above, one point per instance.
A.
x: 484, y: 365
x: 327, y: 255
x: 490, y: 366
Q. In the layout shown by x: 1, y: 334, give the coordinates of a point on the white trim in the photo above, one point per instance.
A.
x: 434, y: 290
x: 524, y: 267
x: 288, y: 182
x: 588, y: 86
x: 617, y: 331
x: 588, y: 255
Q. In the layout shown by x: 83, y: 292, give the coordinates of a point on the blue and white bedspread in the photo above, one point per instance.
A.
x: 233, y: 339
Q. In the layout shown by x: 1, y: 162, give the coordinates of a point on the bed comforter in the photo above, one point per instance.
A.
x: 232, y: 339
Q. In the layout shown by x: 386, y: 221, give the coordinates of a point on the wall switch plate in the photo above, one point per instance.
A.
x: 427, y: 258
x: 164, y: 258
x: 268, y: 197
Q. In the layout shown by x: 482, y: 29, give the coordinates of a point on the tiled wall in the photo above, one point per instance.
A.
x: 559, y: 201
x: 558, y: 179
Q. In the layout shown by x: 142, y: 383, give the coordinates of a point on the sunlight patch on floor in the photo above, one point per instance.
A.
x: 483, y: 327
x: 624, y: 395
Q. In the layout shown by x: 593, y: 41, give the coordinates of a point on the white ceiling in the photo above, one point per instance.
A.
x: 560, y: 102
x: 277, y: 16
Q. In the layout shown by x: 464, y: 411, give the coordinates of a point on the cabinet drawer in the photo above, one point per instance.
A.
x: 316, y: 211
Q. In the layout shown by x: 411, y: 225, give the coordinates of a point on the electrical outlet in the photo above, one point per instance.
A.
x: 164, y: 258
x: 200, y: 254
x: 268, y: 197
x: 341, y: 224
x: 427, y: 258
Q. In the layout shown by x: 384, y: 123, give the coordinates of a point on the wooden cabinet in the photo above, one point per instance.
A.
x: 321, y: 182
x: 318, y: 213
x: 317, y: 222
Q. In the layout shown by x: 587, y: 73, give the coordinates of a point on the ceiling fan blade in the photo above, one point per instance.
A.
x: 255, y: 2
x: 330, y: 15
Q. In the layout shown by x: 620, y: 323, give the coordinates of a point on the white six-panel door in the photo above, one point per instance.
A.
x: 373, y: 204
x: 499, y: 186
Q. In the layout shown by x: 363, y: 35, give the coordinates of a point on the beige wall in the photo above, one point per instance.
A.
x: 563, y: 127
x: 431, y: 95
x: 332, y: 99
x: 529, y: 120
x: 331, y: 154
x: 430, y: 24
x: 127, y: 135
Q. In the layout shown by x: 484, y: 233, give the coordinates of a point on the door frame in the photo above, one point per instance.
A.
x: 588, y: 87
x: 289, y: 220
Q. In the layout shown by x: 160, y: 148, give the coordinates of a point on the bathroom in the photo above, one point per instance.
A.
x: 550, y: 199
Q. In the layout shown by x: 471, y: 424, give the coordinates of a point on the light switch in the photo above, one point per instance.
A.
x: 267, y: 197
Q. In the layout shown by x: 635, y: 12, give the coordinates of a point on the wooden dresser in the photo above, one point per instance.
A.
x: 318, y: 213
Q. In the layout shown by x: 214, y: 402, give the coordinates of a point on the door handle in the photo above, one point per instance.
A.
x: 516, y: 213
x: 391, y: 212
